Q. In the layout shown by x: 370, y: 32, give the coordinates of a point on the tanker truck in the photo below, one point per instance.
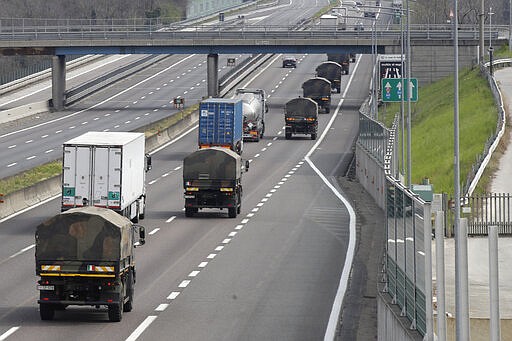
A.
x: 212, y: 178
x: 319, y: 90
x: 332, y: 72
x: 85, y: 256
x: 254, y: 107
x: 301, y: 117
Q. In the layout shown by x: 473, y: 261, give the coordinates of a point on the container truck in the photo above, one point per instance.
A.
x: 332, y: 72
x: 301, y: 117
x: 106, y: 169
x: 319, y: 90
x: 212, y: 178
x: 85, y: 256
x: 254, y: 108
x: 220, y: 124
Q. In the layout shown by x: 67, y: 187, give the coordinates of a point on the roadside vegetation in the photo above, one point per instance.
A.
x: 432, y: 145
x: 54, y: 168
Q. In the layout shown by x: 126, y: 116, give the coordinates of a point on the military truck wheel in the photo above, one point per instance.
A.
x: 313, y: 136
x: 115, y: 311
x: 189, y: 211
x: 46, y: 312
x: 232, y: 212
x: 327, y: 110
x: 338, y: 90
x: 287, y: 135
x: 128, y: 306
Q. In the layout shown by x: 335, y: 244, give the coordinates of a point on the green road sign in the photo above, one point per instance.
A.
x: 391, y: 89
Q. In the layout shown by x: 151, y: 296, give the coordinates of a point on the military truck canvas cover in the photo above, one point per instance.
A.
x: 215, y: 163
x: 329, y: 70
x: 304, y: 107
x: 316, y: 87
x: 84, y: 234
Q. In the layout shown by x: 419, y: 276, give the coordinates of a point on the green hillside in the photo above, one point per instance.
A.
x: 432, y: 131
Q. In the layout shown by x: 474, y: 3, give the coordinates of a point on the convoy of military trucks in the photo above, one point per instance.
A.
x: 85, y: 255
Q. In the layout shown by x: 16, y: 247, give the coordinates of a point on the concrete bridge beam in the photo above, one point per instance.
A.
x: 58, y: 81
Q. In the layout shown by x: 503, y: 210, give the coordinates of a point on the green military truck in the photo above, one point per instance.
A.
x: 332, y: 72
x: 301, y: 117
x: 85, y: 257
x: 319, y: 90
x: 212, y: 178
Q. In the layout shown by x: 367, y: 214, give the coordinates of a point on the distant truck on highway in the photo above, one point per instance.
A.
x: 106, y: 169
x: 332, y: 72
x: 221, y: 124
x: 319, y: 90
x: 254, y: 108
x: 212, y: 178
x: 301, y: 117
x: 85, y: 257
x: 343, y: 59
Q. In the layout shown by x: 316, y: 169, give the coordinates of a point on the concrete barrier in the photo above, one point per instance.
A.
x: 23, y: 111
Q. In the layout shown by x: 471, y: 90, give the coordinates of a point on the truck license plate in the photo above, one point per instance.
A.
x: 45, y: 287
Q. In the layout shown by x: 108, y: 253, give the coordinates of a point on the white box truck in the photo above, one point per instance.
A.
x: 106, y: 169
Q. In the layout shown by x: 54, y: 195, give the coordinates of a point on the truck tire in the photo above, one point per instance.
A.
x: 189, y: 211
x: 232, y: 212
x: 287, y: 135
x: 46, y: 312
x: 327, y: 110
x: 338, y: 90
x: 115, y: 310
x: 128, y: 306
x: 313, y: 136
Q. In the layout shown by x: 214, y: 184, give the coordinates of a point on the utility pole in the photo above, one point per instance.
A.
x: 481, y: 32
x: 460, y: 225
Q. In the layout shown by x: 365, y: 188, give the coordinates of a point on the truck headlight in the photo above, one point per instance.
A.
x: 192, y: 189
x: 226, y: 189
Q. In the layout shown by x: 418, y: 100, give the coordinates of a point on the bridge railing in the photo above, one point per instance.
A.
x: 142, y: 28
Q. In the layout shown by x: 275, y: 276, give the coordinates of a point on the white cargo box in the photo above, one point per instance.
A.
x: 105, y: 169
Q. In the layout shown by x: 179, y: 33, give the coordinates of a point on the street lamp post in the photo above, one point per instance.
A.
x: 461, y: 238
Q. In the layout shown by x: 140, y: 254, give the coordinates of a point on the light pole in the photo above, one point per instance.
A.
x: 461, y: 238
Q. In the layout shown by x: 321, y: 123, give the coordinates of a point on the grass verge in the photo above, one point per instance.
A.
x: 54, y: 168
x: 432, y: 145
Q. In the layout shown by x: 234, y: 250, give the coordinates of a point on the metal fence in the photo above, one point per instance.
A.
x: 408, y: 255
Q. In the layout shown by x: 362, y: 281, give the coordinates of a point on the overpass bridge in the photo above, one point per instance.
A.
x: 431, y: 45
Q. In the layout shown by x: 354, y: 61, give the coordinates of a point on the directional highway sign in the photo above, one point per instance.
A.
x: 392, y: 89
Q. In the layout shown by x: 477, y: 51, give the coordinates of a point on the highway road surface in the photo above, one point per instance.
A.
x: 279, y: 271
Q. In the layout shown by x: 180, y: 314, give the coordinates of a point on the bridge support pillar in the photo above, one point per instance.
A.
x: 58, y: 81
x: 212, y: 74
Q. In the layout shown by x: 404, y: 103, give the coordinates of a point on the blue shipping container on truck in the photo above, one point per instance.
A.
x: 220, y: 123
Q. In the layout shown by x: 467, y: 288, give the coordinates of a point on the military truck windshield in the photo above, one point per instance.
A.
x: 78, y: 237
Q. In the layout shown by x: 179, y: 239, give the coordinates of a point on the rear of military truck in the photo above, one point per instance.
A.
x: 301, y: 117
x: 212, y: 178
x: 85, y: 257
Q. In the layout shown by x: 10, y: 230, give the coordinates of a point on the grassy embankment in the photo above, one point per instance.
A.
x: 432, y: 145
